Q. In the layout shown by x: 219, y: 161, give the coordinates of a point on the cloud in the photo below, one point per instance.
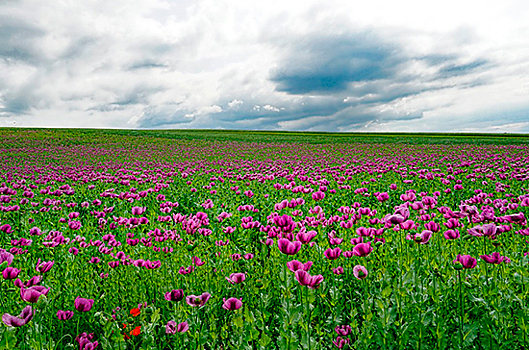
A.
x: 276, y: 65
x: 328, y: 64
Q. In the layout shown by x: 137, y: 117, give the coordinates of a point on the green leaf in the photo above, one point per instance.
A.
x: 238, y: 321
x: 9, y: 340
x: 155, y: 316
x: 265, y: 340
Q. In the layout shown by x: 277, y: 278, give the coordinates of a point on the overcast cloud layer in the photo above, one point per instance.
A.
x: 278, y: 65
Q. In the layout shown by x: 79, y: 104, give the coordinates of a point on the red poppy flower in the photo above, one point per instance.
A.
x: 136, y: 331
x: 135, y: 312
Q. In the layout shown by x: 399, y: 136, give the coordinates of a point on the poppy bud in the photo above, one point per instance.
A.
x: 457, y: 266
x: 42, y: 302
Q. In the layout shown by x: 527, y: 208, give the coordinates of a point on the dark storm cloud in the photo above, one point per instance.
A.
x: 462, y: 69
x: 139, y: 95
x: 147, y: 65
x: 168, y: 115
x: 330, y: 64
x: 17, y: 105
x: 17, y: 40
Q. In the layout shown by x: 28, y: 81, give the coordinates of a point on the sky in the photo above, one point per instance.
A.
x: 368, y: 66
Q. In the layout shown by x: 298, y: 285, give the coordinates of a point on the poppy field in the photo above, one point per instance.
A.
x: 138, y: 240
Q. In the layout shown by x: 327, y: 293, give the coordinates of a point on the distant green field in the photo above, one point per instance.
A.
x: 75, y: 136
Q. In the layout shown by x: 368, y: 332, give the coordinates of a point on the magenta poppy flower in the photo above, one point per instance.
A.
x: 333, y: 254
x: 287, y: 247
x: 138, y: 210
x: 44, y: 266
x: 295, y: 265
x: 395, y: 219
x: 305, y: 279
x: 32, y: 294
x: 170, y: 327
x: 31, y: 282
x: 6, y: 256
x: 340, y: 342
x: 318, y: 195
x: 174, y: 295
x: 343, y: 330
x: 196, y: 260
x: 236, y: 278
x: 338, y: 270
x: 85, y: 341
x: 64, y: 315
x: 423, y: 237
x: 198, y: 300
x: 182, y: 327
x: 306, y: 236
x: 360, y: 272
x: 74, y: 225
x: 451, y: 234
x: 489, y: 230
x: 83, y: 305
x: 13, y: 321
x: 466, y: 261
x: 232, y: 304
x: 495, y: 258
x: 173, y: 328
x: 10, y: 273
x: 362, y: 249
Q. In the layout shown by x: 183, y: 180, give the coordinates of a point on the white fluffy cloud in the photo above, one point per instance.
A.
x: 309, y: 65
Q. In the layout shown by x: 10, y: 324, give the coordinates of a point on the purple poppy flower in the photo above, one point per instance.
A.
x: 305, y: 279
x: 333, y: 254
x: 22, y: 319
x: 232, y: 304
x: 173, y: 328
x: 44, y: 266
x: 362, y: 249
x: 10, y: 273
x: 174, y: 295
x: 318, y: 195
x: 32, y: 294
x: 495, y: 258
x: 451, y: 234
x: 236, y: 278
x: 138, y: 210
x: 343, y: 330
x: 421, y: 238
x: 85, y: 341
x: 83, y: 305
x: 489, y: 230
x: 338, y: 270
x: 340, y: 342
x: 6, y: 256
x: 198, y: 300
x: 196, y: 260
x: 360, y: 272
x: 182, y: 327
x: 64, y: 315
x: 170, y: 327
x: 295, y: 265
x: 306, y: 236
x: 466, y: 261
x: 287, y: 247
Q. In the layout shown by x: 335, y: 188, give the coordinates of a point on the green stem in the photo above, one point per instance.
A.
x: 460, y: 311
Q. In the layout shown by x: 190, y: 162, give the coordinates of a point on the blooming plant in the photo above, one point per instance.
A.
x: 173, y: 240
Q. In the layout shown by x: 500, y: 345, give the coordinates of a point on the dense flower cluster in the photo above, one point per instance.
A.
x: 187, y: 242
